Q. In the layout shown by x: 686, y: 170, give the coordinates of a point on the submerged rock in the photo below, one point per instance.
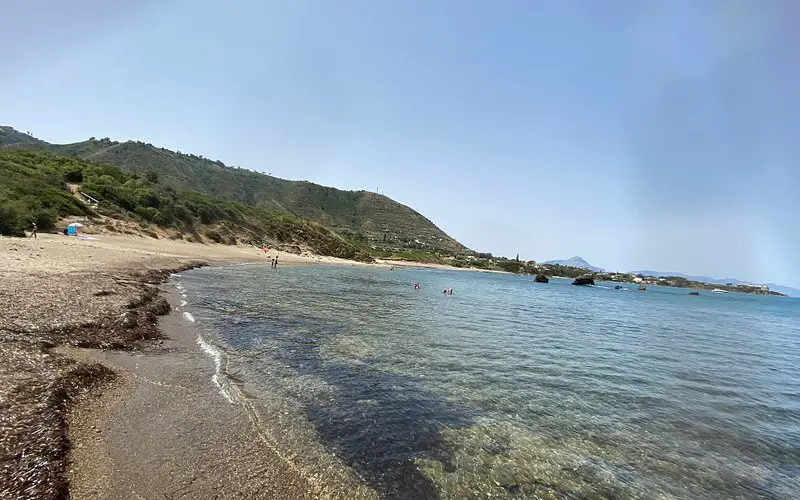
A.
x: 694, y: 293
x: 541, y: 278
x: 583, y: 281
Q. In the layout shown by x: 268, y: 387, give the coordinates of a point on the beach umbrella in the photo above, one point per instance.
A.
x: 76, y: 225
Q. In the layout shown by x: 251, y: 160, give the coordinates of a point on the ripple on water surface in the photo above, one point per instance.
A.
x: 511, y: 388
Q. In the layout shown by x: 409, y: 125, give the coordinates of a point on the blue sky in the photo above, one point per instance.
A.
x: 659, y: 135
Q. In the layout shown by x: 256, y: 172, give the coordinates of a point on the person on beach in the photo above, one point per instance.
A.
x: 33, y: 231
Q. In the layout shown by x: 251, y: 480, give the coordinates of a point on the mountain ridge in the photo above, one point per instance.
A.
x: 366, y: 216
x: 575, y: 261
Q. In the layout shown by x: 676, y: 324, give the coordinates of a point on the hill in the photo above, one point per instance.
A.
x: 575, y: 262
x: 11, y: 137
x: 38, y: 187
x: 365, y: 216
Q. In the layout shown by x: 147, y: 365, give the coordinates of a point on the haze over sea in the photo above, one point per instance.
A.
x: 507, y: 387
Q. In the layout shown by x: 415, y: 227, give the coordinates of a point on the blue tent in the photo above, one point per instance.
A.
x: 72, y: 229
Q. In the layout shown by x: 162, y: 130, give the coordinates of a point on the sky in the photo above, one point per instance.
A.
x: 638, y: 135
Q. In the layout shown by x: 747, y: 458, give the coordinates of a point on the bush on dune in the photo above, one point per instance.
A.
x: 33, y: 189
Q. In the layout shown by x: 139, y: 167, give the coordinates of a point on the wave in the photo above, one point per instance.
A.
x: 183, y: 303
x: 188, y: 316
x: 218, y: 378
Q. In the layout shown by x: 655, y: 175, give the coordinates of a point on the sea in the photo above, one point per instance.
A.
x: 506, y: 388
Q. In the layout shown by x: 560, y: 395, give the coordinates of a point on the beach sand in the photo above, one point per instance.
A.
x: 95, y: 402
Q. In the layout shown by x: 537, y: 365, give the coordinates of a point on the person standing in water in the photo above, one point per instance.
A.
x: 275, y: 264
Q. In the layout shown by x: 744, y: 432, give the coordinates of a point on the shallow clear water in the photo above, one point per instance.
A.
x: 507, y: 387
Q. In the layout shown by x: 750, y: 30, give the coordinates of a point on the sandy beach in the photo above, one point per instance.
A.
x: 428, y: 265
x: 104, y: 394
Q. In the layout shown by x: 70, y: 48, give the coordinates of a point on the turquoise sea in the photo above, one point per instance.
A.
x: 507, y: 388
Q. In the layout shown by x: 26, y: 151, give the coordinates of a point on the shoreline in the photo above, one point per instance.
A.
x: 81, y: 315
x: 73, y: 307
x: 165, y: 431
x: 426, y: 265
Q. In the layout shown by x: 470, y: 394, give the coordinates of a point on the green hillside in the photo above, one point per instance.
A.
x: 368, y: 217
x: 34, y: 187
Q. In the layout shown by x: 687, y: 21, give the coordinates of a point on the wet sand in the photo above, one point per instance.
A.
x: 96, y: 403
x: 164, y: 431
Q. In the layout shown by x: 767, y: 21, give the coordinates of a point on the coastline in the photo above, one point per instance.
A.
x: 164, y: 431
x: 81, y: 321
x: 82, y: 345
x: 444, y: 267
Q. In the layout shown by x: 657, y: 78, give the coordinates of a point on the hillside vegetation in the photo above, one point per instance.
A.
x: 373, y: 219
x: 34, y: 187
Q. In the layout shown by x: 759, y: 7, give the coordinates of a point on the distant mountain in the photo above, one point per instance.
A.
x: 363, y: 215
x: 792, y: 292
x: 575, y: 262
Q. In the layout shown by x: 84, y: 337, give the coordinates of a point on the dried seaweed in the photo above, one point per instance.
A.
x: 38, y: 386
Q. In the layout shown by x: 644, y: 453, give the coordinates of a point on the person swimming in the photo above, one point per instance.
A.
x: 416, y: 285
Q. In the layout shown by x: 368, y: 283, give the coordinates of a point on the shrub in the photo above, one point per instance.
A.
x: 74, y: 173
x: 10, y: 223
x: 213, y: 235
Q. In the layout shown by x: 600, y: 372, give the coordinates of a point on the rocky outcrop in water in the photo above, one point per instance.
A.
x: 541, y: 278
x: 584, y: 281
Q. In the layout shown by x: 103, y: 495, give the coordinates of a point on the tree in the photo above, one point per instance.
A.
x: 151, y: 176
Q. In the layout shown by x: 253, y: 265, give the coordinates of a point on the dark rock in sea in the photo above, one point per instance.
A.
x: 584, y: 281
x: 694, y: 293
x: 617, y: 287
x: 541, y: 278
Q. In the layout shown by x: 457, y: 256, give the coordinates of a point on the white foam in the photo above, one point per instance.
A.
x: 217, y: 378
x: 179, y: 286
x: 188, y: 316
x: 174, y: 275
x: 183, y: 303
x: 183, y: 295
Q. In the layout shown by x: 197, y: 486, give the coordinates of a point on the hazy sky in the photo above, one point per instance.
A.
x: 660, y: 135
